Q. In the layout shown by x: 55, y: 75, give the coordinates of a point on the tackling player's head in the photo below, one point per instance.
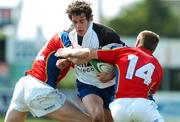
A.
x: 147, y: 39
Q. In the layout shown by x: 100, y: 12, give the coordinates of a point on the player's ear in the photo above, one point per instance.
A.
x: 137, y: 43
x: 91, y: 18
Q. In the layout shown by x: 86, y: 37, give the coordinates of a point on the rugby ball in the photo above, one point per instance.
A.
x: 100, y: 66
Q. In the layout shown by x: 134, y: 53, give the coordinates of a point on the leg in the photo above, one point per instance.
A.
x: 94, y: 105
x: 69, y: 113
x: 108, y: 115
x: 15, y: 116
x: 96, y: 101
x: 17, y: 104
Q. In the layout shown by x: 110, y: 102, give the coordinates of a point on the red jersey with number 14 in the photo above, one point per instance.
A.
x: 138, y: 72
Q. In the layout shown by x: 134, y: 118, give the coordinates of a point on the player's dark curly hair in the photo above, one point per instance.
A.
x: 77, y: 8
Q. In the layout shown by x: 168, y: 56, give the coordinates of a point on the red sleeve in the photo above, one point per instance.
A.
x: 108, y: 55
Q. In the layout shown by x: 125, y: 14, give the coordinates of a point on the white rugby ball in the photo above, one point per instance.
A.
x: 103, y: 66
x: 100, y: 66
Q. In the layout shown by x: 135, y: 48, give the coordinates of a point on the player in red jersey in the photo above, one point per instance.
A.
x: 36, y: 92
x: 138, y: 76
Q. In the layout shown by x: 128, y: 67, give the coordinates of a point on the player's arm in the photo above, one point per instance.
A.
x: 105, y: 77
x: 83, y: 55
x: 107, y: 55
x: 77, y: 55
x: 62, y: 63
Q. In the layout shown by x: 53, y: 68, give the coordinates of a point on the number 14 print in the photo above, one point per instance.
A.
x: 145, y: 72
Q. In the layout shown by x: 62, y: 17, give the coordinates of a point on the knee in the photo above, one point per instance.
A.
x: 97, y: 115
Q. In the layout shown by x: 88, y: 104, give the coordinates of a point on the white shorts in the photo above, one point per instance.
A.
x: 39, y: 98
x: 135, y: 109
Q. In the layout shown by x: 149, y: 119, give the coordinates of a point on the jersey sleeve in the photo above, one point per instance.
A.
x: 108, y: 55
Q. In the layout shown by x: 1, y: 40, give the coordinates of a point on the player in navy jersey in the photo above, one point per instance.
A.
x: 94, y: 94
x: 138, y: 76
x: 36, y: 92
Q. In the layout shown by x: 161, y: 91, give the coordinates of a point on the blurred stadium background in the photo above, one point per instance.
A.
x: 25, y: 25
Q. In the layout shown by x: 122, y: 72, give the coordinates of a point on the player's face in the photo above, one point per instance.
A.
x: 81, y: 24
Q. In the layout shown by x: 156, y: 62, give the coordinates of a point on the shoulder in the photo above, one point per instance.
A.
x: 103, y: 29
x: 64, y: 36
x: 106, y: 34
x: 60, y: 35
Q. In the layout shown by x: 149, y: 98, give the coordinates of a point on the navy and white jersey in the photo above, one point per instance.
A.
x: 96, y: 37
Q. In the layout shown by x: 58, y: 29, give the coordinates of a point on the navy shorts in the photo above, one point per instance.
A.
x: 106, y: 94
